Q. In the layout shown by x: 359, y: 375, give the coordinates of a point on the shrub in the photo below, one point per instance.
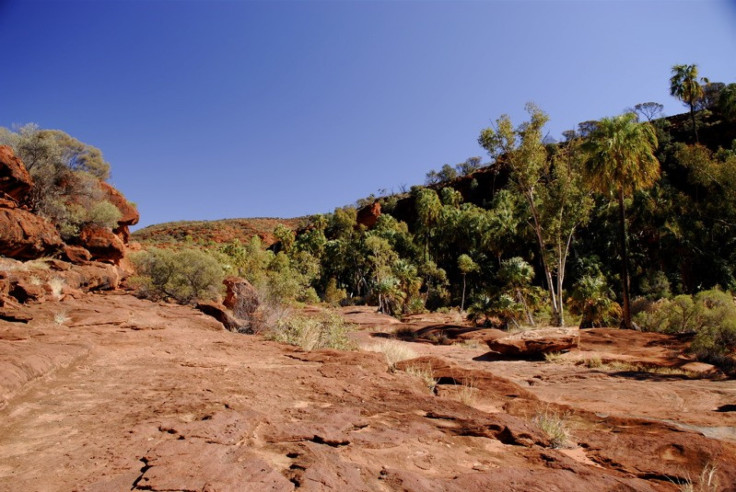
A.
x: 334, y: 295
x: 104, y: 214
x: 326, y: 330
x: 710, y: 315
x: 185, y: 275
x: 592, y: 299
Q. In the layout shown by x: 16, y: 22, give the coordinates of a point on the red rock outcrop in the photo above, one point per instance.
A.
x: 15, y: 181
x: 77, y: 254
x: 221, y: 314
x: 24, y: 235
x: 368, y: 216
x: 535, y: 343
x: 241, y: 297
x: 130, y: 215
x: 102, y: 243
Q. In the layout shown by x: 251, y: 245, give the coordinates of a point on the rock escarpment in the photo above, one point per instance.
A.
x: 26, y: 235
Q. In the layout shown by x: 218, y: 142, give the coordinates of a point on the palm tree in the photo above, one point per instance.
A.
x: 685, y: 87
x: 622, y: 161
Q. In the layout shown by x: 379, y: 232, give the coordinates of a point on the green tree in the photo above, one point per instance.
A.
x: 185, y: 275
x: 466, y: 265
x: 621, y: 161
x: 556, y: 202
x: 727, y: 102
x: 684, y: 85
x: 429, y: 208
x: 517, y: 275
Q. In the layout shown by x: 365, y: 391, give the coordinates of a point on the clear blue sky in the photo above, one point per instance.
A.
x: 217, y: 109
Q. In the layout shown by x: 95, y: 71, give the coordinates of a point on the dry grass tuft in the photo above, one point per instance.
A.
x: 425, y: 374
x: 393, y: 351
x: 554, y: 427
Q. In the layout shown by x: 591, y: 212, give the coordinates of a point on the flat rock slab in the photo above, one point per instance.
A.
x: 533, y: 344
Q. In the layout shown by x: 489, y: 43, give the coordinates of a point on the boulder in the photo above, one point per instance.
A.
x: 15, y: 181
x: 221, y: 314
x: 77, y: 254
x: 24, y: 235
x: 241, y: 297
x: 533, y: 344
x: 102, y: 243
x: 130, y: 215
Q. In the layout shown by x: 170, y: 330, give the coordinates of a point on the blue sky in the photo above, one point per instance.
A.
x: 217, y: 109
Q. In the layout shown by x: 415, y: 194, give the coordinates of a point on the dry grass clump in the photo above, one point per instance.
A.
x: 468, y: 391
x: 56, y: 284
x: 554, y: 357
x: 554, y: 427
x: 706, y: 482
x: 61, y: 318
x: 324, y: 330
x: 424, y: 373
x: 393, y: 351
x: 593, y: 362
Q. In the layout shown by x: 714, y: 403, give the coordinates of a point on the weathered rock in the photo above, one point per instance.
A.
x: 533, y: 344
x: 241, y: 297
x: 102, y: 243
x: 368, y: 216
x: 77, y: 254
x: 26, y: 289
x: 221, y: 314
x: 15, y: 181
x: 24, y: 235
x: 130, y: 215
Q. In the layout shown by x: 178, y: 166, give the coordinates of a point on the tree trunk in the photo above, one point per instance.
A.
x: 462, y: 303
x: 626, y: 321
x: 695, y: 126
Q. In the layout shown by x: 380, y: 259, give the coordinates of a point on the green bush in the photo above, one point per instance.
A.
x: 326, y: 330
x: 105, y: 214
x: 184, y: 276
x: 710, y: 315
x: 334, y: 295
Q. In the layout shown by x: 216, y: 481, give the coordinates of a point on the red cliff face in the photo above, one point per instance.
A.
x: 23, y: 235
x: 15, y: 182
x: 26, y: 236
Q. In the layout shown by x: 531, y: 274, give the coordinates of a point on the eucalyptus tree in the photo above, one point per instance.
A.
x: 555, y: 201
x: 684, y: 86
x: 649, y: 110
x: 621, y: 161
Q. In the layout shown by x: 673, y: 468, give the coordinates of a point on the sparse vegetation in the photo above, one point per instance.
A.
x: 312, y: 332
x: 394, y: 352
x: 554, y: 427
x: 56, y: 284
x: 424, y: 373
x: 707, y: 481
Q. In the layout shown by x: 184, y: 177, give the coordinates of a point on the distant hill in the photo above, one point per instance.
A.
x: 216, y: 231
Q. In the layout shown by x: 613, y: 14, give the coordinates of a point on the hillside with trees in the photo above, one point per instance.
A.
x: 627, y: 213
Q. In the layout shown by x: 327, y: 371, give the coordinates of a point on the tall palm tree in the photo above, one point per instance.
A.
x: 684, y: 86
x: 622, y: 161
